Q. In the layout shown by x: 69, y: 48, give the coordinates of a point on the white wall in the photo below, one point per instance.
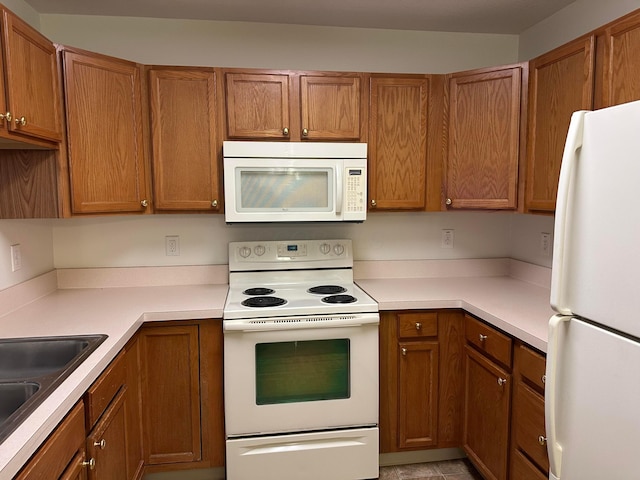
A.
x: 36, y: 244
x: 240, y: 44
x: 24, y: 11
x: 576, y: 19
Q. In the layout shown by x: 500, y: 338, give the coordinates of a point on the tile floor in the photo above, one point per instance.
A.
x: 447, y: 470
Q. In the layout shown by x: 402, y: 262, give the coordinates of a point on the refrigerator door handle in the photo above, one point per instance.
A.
x: 551, y: 396
x: 569, y: 159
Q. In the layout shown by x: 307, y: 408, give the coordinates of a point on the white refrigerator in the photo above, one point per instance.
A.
x: 592, y: 397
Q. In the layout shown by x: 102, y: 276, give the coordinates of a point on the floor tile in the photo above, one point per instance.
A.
x: 418, y: 471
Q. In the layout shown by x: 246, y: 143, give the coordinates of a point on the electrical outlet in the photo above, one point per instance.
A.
x: 16, y: 257
x: 172, y: 245
x: 545, y: 244
x: 447, y: 239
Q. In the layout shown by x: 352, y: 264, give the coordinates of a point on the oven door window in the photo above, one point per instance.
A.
x: 277, y: 190
x: 302, y: 371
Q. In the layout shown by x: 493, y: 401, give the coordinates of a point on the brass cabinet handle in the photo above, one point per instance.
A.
x: 305, y: 132
x: 5, y: 116
x: 144, y: 203
x: 214, y: 203
x: 91, y: 463
x: 374, y: 203
x: 542, y: 440
x: 448, y: 201
x: 102, y: 444
x: 285, y: 131
x: 502, y: 381
x: 21, y: 122
x: 482, y: 337
x: 404, y: 351
x: 418, y: 325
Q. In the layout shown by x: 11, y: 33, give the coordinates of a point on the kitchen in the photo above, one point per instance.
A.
x: 133, y: 241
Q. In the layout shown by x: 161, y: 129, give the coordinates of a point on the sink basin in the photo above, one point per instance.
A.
x: 31, y: 368
x: 13, y: 396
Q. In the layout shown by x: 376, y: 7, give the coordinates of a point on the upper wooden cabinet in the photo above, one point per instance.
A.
x: 30, y: 101
x: 184, y: 126
x: 560, y: 82
x: 107, y: 165
x: 618, y: 61
x: 398, y: 142
x: 295, y: 106
x: 483, y: 132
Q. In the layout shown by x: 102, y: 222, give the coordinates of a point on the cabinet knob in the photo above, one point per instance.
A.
x: 448, y: 201
x: 285, y: 131
x: 91, y: 463
x: 214, y: 203
x: 502, y: 381
x: 418, y: 326
x: 101, y: 444
x: 374, y: 203
x: 5, y: 116
x: 482, y: 337
x: 404, y: 351
x: 544, y: 379
x: 542, y: 440
x: 144, y: 203
x: 21, y: 122
x: 305, y: 132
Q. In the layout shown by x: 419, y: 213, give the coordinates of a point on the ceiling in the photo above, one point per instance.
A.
x: 474, y: 16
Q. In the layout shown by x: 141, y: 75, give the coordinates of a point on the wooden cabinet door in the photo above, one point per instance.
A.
x: 332, y: 106
x: 486, y: 415
x: 33, y: 93
x: 257, y: 106
x: 398, y: 143
x: 108, y: 172
x: 107, y: 443
x: 560, y: 82
x: 418, y: 394
x: 618, y: 48
x: 185, y: 148
x: 77, y: 469
x: 170, y: 394
x: 483, y: 139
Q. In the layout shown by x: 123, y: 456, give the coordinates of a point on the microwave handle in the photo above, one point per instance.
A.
x: 339, y: 190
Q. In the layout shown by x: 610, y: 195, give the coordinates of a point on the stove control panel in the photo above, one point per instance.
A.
x: 270, y: 255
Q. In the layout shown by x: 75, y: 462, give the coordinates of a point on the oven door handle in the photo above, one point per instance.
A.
x: 300, y: 323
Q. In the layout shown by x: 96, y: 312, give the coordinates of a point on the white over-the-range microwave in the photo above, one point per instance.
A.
x: 295, y: 182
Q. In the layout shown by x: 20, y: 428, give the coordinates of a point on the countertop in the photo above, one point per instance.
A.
x: 518, y: 307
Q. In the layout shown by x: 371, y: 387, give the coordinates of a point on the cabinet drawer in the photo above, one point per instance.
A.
x: 532, y: 366
x: 523, y: 469
x: 488, y: 340
x: 529, y: 425
x: 52, y: 458
x: 100, y: 394
x: 413, y: 325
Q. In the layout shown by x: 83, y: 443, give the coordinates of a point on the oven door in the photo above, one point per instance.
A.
x: 295, y: 375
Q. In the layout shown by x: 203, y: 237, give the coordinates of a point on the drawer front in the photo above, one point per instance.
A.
x: 529, y: 430
x: 523, y: 469
x: 51, y: 460
x: 531, y: 365
x: 415, y: 325
x: 100, y: 394
x: 488, y: 340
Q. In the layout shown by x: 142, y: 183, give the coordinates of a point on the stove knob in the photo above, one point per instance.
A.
x: 259, y: 250
x: 338, y: 249
x: 325, y: 248
x: 244, y: 252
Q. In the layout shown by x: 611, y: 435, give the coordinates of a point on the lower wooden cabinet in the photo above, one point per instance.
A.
x: 63, y: 453
x: 420, y: 384
x: 181, y: 369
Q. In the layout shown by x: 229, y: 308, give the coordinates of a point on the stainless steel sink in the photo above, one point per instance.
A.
x: 31, y: 368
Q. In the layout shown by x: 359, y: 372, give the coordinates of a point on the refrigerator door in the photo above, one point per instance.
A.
x: 596, y: 265
x: 592, y: 401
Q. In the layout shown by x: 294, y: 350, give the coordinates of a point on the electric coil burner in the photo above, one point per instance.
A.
x: 300, y: 364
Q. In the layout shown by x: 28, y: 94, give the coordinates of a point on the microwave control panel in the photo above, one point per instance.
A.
x: 356, y: 189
